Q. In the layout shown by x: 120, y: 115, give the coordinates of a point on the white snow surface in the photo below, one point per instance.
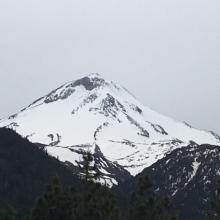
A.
x: 106, y: 115
x: 195, y: 167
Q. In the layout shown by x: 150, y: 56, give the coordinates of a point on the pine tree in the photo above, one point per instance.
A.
x: 146, y: 205
x: 88, y: 169
x: 91, y: 202
x: 54, y: 205
x: 97, y: 203
x: 142, y: 201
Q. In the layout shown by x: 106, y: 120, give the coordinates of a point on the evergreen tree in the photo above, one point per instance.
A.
x: 97, y: 203
x: 91, y: 202
x: 54, y: 205
x: 88, y: 169
x: 146, y: 205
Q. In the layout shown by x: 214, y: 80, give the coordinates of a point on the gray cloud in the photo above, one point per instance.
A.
x: 166, y: 52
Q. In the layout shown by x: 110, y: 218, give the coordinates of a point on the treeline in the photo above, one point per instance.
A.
x: 96, y: 202
x: 93, y: 201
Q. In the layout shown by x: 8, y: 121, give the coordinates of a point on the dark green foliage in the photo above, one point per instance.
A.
x: 54, y: 205
x: 7, y: 213
x: 25, y: 171
x: 94, y: 202
x: 97, y: 203
x: 146, y: 205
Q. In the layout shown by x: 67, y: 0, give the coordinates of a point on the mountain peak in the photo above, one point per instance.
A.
x: 89, y: 83
x: 94, y: 75
x: 92, y: 110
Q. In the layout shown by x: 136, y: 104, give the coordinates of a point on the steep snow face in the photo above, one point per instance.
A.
x: 95, y: 112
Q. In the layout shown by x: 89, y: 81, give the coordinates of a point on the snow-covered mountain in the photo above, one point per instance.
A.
x: 92, y: 112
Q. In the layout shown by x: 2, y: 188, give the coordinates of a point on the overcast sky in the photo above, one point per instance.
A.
x: 166, y: 52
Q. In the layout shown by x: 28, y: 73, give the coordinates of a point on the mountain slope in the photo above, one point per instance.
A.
x: 189, y: 175
x: 25, y: 172
x: 92, y: 112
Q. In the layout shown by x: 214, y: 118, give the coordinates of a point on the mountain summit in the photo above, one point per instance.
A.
x: 96, y: 114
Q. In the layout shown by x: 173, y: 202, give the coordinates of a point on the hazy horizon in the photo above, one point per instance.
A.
x: 166, y: 53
